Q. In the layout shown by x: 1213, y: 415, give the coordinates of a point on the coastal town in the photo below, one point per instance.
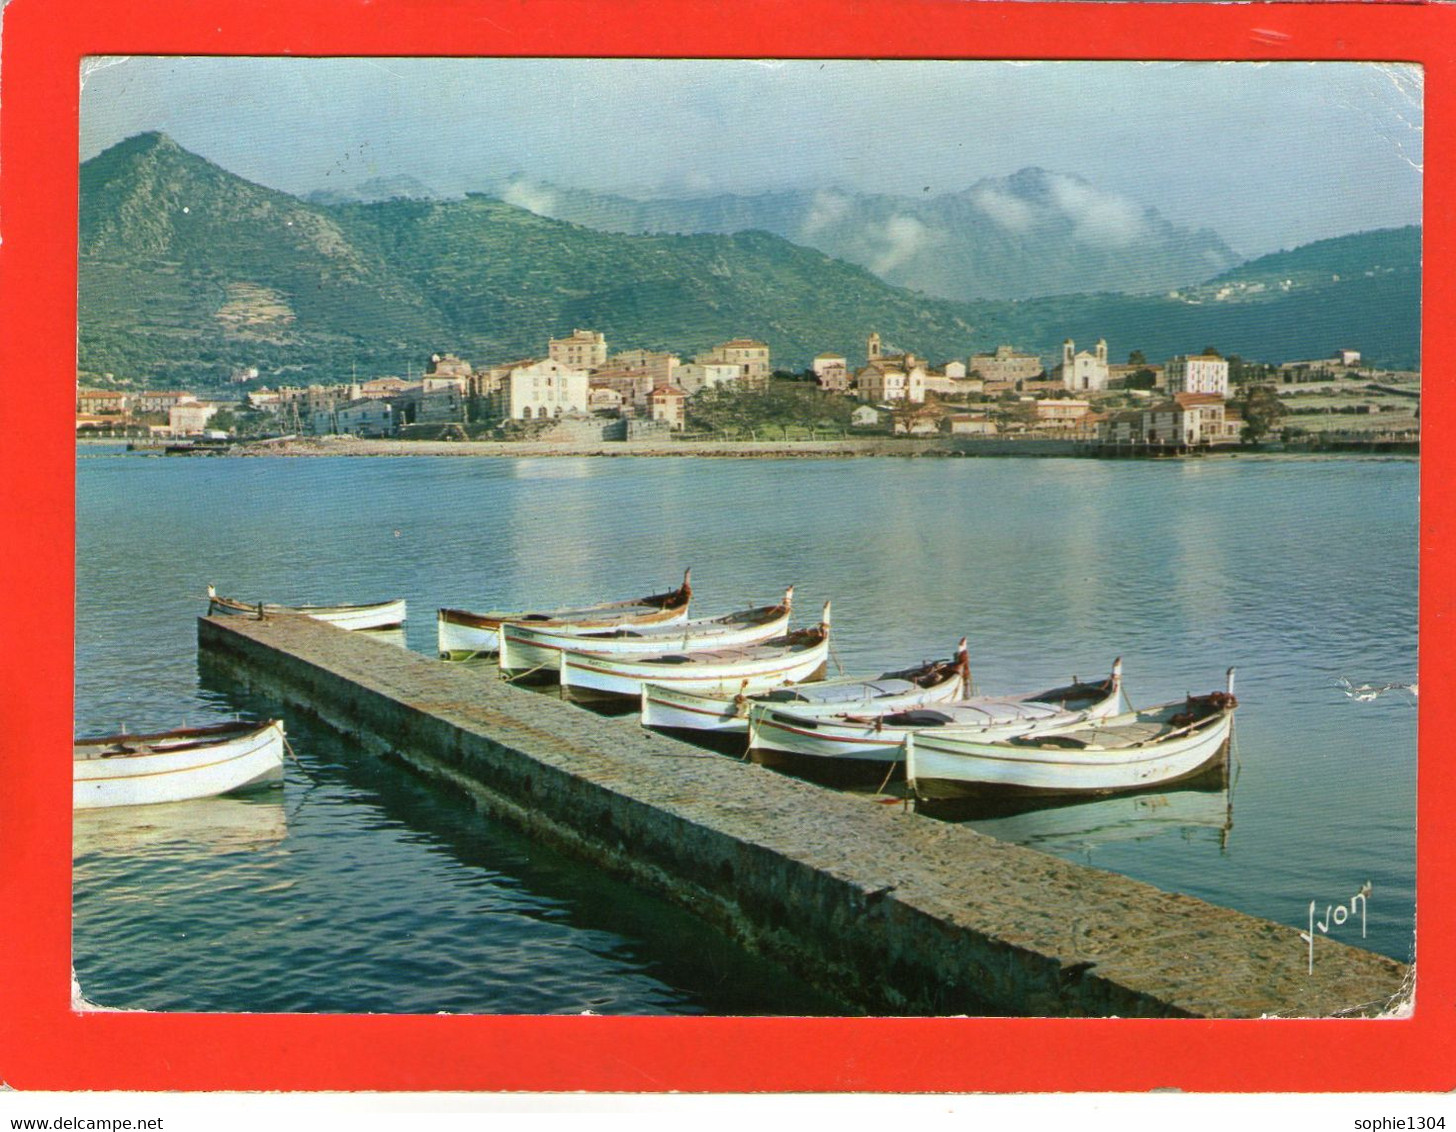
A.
x: 580, y: 392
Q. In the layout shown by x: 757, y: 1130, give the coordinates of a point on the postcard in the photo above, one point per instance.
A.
x: 605, y: 561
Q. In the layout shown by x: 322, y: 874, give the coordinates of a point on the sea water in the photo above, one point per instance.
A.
x: 360, y: 887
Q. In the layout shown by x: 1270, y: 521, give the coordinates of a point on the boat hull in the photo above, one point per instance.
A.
x: 689, y: 710
x: 590, y: 676
x: 462, y: 635
x: 378, y: 615
x: 526, y: 648
x: 871, y: 739
x: 950, y: 766
x: 177, y: 767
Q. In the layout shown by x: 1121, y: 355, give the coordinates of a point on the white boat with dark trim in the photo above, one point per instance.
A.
x: 375, y: 615
x: 879, y: 737
x: 744, y: 669
x: 933, y: 681
x: 176, y: 766
x: 1132, y: 751
x: 463, y: 635
x: 532, y: 648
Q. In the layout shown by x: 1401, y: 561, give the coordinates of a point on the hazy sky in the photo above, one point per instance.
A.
x: 1268, y: 155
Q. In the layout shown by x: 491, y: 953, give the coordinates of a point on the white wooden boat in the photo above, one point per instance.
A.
x: 175, y: 766
x: 464, y: 635
x: 744, y: 669
x: 934, y: 681
x: 1132, y: 751
x: 880, y: 737
x: 532, y: 648
x: 376, y: 615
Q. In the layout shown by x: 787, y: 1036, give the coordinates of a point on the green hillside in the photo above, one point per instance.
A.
x: 1385, y: 251
x: 188, y: 273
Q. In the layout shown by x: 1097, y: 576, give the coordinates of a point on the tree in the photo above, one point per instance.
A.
x: 1137, y: 358
x: 1142, y: 379
x: 1262, y: 411
x: 1211, y: 352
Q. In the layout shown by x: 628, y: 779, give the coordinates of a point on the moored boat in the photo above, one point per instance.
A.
x: 374, y: 615
x: 743, y: 669
x: 931, y: 682
x: 176, y: 766
x: 530, y: 647
x: 880, y: 736
x: 463, y: 635
x: 1135, y: 750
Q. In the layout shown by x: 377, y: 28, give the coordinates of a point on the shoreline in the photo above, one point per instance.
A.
x: 876, y: 448
x: 869, y: 448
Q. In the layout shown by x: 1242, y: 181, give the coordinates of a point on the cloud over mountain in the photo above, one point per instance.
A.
x: 1033, y: 233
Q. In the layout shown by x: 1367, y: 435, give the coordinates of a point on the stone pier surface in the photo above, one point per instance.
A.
x: 892, y: 912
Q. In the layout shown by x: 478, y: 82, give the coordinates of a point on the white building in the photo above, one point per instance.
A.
x: 748, y: 354
x: 1082, y: 372
x: 882, y: 382
x: 540, y: 390
x: 189, y: 418
x: 692, y: 376
x: 1202, y: 373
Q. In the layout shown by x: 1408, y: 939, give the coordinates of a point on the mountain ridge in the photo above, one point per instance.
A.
x: 189, y: 272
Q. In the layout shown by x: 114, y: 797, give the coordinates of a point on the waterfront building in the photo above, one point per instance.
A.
x: 1201, y: 373
x: 865, y: 416
x: 381, y: 388
x: 918, y: 422
x: 1007, y: 365
x: 831, y: 372
x: 1344, y: 363
x: 603, y: 399
x: 879, y: 383
x: 693, y: 376
x: 748, y: 354
x: 101, y: 402
x: 190, y: 417
x: 1183, y: 419
x: 668, y: 404
x: 365, y: 416
x: 160, y: 401
x: 540, y: 390
x: 441, y: 400
x: 1060, y: 413
x: 660, y: 366
x: 633, y: 384
x: 939, y: 383
x: 968, y: 424
x: 584, y: 349
x: 1082, y: 371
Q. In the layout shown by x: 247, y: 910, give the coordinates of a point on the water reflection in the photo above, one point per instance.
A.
x: 1072, y: 826
x: 195, y: 830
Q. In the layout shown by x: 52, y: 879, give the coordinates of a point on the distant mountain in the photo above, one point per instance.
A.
x: 188, y: 272
x: 1031, y: 234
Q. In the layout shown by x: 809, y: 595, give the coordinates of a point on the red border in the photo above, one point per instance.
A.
x: 44, y: 1046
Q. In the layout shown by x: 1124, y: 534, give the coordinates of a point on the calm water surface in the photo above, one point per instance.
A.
x: 361, y: 888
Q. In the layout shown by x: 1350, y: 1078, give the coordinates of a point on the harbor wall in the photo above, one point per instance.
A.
x: 890, y: 911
